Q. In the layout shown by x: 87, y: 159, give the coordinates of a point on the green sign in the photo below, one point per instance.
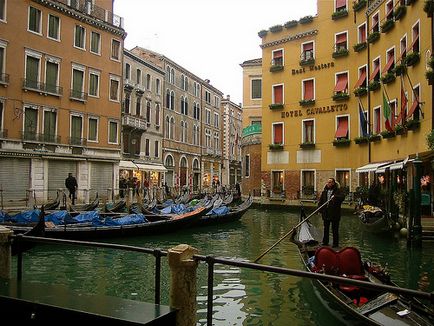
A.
x: 253, y: 129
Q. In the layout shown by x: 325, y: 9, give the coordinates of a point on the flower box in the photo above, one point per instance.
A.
x: 374, y: 138
x: 374, y: 86
x: 360, y: 91
x: 359, y: 5
x: 341, y: 96
x: 341, y: 142
x: 306, y: 19
x: 307, y: 145
x: 387, y: 25
x: 306, y: 102
x: 276, y: 106
x: 275, y: 147
x: 361, y: 140
x: 276, y: 28
x: 399, y: 12
x: 360, y: 46
x: 373, y: 37
x: 429, y: 74
x: 262, y: 33
x: 388, y: 78
x: 400, y: 130
x: 388, y: 134
x: 399, y: 70
x: 339, y: 14
x: 307, y: 62
x: 413, y: 124
x: 340, y: 53
x: 274, y: 68
x: 290, y: 24
x: 411, y: 59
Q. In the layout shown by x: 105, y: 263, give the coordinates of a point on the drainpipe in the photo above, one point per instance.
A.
x: 416, y: 237
x: 367, y: 76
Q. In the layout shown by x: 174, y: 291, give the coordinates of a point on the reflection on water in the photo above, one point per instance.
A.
x: 241, y: 296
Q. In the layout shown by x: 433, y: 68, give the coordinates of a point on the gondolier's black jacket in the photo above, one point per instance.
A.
x: 331, y: 211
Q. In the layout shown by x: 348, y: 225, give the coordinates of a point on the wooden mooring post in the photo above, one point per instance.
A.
x: 5, y: 252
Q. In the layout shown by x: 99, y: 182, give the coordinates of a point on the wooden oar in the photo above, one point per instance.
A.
x: 292, y: 230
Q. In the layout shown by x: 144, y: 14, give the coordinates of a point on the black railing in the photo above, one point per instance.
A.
x: 77, y: 95
x: 211, y: 262
x: 77, y: 141
x: 34, y: 85
x: 43, y: 138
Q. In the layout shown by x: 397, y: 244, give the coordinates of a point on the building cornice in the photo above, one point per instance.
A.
x: 140, y: 60
x: 290, y: 38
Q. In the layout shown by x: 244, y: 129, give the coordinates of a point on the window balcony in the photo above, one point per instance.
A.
x: 341, y: 142
x: 134, y: 122
x: 77, y: 141
x: 341, y: 96
x: 33, y: 85
x: 360, y: 91
x: 276, y: 147
x: 340, y: 51
x: 360, y: 46
x: 359, y: 5
x: 340, y: 13
x: 388, y: 78
x: 307, y: 58
x: 208, y: 151
x: 140, y: 90
x: 53, y: 89
x: 307, y: 145
x: 129, y: 85
x: 77, y: 95
x: 276, y: 106
x: 373, y: 37
x: 4, y: 79
x: 307, y: 102
x: 41, y: 138
x: 387, y: 25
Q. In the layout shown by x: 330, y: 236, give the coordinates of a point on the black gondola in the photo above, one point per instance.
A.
x: 375, y: 220
x: 38, y: 230
x: 87, y: 207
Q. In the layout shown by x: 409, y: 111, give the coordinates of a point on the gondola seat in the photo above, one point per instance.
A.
x: 326, y: 260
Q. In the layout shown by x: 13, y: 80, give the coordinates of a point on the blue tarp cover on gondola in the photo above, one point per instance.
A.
x: 26, y: 217
x: 4, y: 217
x: 91, y: 216
x: 222, y: 210
x: 58, y: 217
x: 126, y: 220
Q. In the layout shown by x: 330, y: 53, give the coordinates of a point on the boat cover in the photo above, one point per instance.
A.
x: 126, y: 220
x: 26, y: 217
x: 222, y: 210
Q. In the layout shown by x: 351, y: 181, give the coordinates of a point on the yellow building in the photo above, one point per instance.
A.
x: 344, y: 93
x: 60, y: 97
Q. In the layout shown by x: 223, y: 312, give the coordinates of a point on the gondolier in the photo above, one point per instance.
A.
x: 71, y: 185
x: 331, y: 213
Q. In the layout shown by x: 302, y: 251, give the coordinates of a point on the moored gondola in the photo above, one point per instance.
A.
x: 375, y: 220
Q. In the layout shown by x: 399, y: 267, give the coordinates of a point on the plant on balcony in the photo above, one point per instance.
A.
x: 428, y: 7
x: 374, y: 138
x: 359, y: 5
x: 275, y: 147
x: 431, y: 62
x: 388, y: 134
x: 341, y: 142
x: 341, y: 52
x: 373, y: 37
x: 307, y: 102
x: 400, y: 130
x: 399, y: 70
x: 276, y: 106
x: 360, y: 91
x: 361, y: 140
x: 413, y: 124
x: 290, y: 24
x: 305, y: 19
x: 387, y: 25
x: 360, y: 46
x: 276, y: 28
x: 262, y: 33
x: 307, y: 62
x: 307, y: 145
x: 276, y: 67
x: 374, y: 85
x: 339, y: 14
x: 399, y: 12
x: 411, y: 59
x: 430, y: 140
x: 388, y: 78
x: 429, y: 74
x: 341, y: 96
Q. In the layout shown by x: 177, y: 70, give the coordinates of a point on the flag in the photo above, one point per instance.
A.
x: 403, y: 104
x: 363, y: 122
x: 386, y: 113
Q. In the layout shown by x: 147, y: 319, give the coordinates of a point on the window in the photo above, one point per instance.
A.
x: 157, y: 148
x: 34, y: 20
x: 307, y: 183
x: 114, y: 88
x: 33, y: 62
x: 186, y: 83
x: 79, y: 37
x: 138, y: 106
x: 195, y: 135
x: 217, y: 141
x: 415, y: 37
x: 216, y: 120
x: 77, y: 83
x: 3, y: 10
x: 392, y: 105
x: 53, y: 27
x: 403, y: 47
x: 277, y: 94
x: 52, y: 75
x: 363, y: 122
x: 30, y: 123
x: 341, y: 83
x: 148, y: 112
x: 376, y: 23
x: 158, y: 86
x: 2, y: 62
x: 208, y: 97
x: 308, y: 89
x: 277, y: 58
x: 363, y: 179
x: 147, y: 147
x: 113, y: 132
x: 93, y: 129
x: 76, y: 130
x: 157, y: 114
x: 308, y: 127
x: 277, y: 133
x: 167, y: 128
x: 277, y: 181
x: 375, y: 75
x: 307, y: 52
x: 389, y: 10
x: 377, y: 121
x: 138, y: 77
x: 184, y: 105
x: 341, y: 42
x: 172, y: 128
x: 256, y: 89
x: 340, y: 5
x: 127, y: 71
x: 116, y: 48
x: 207, y: 117
x: 361, y: 82
x: 414, y: 111
x: 127, y: 103
x: 196, y: 111
x: 49, y: 126
x: 148, y: 82
x: 95, y: 43
x: 361, y: 35
x: 247, y: 166
x: 342, y: 131
x: 94, y: 83
x: 208, y: 138
x: 343, y: 178
x: 390, y: 63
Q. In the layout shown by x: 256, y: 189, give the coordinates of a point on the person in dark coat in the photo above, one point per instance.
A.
x: 331, y: 212
x: 71, y: 185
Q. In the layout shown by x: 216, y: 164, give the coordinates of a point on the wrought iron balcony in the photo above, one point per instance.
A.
x: 33, y: 85
x: 134, y: 122
x: 77, y: 141
x: 53, y: 89
x: 78, y: 95
x: 37, y: 137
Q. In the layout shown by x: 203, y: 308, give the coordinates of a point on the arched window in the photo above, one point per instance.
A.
x: 169, y: 161
x: 195, y: 164
x: 172, y: 100
x: 168, y: 74
x: 172, y: 128
x: 167, y: 128
x: 182, y: 131
x: 172, y: 76
x: 186, y: 106
x: 167, y: 98
x: 186, y: 84
x: 148, y: 112
x: 157, y: 114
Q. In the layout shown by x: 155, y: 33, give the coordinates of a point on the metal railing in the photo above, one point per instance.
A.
x: 211, y: 262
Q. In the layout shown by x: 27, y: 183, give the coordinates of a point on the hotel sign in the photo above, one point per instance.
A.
x: 313, y: 68
x: 314, y: 111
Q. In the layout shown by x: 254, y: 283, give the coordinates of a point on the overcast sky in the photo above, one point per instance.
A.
x: 210, y: 38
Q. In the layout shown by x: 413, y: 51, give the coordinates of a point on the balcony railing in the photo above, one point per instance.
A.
x: 77, y: 141
x: 37, y: 137
x: 34, y: 85
x: 134, y: 122
x: 53, y: 89
x: 78, y: 95
x: 4, y: 133
x: 4, y: 78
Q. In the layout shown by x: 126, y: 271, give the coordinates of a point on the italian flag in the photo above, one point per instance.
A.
x: 386, y: 112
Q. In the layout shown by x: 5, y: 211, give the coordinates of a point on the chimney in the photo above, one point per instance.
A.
x: 207, y: 81
x: 228, y: 97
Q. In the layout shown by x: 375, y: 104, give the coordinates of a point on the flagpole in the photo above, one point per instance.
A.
x: 415, y: 95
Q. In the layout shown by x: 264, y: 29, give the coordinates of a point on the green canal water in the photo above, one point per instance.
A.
x: 241, y: 296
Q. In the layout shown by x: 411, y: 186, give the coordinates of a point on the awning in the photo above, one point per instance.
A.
x: 342, y: 130
x: 370, y: 167
x: 361, y: 79
x: 396, y: 166
x: 382, y: 169
x: 127, y: 165
x: 151, y: 167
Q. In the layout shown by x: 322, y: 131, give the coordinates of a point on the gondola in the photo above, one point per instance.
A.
x: 116, y: 207
x: 54, y: 204
x: 18, y: 247
x: 374, y: 307
x: 375, y: 220
x: 87, y: 207
x: 224, y: 214
x: 120, y: 227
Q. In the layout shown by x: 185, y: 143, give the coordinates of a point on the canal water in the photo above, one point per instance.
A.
x: 241, y: 296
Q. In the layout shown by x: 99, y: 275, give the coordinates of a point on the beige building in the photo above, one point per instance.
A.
x: 142, y: 130
x: 61, y: 72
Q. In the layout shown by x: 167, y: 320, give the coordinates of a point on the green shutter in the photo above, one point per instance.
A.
x: 93, y: 125
x: 77, y: 83
x: 30, y: 123
x: 32, y: 72
x: 76, y: 130
x: 113, y: 132
x: 49, y: 126
x: 51, y: 77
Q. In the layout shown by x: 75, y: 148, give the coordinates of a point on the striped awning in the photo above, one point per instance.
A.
x: 370, y: 167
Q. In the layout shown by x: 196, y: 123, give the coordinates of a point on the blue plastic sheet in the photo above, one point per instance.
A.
x: 58, y: 217
x: 126, y: 220
x: 91, y: 216
x: 4, y: 217
x: 222, y: 210
x: 31, y: 216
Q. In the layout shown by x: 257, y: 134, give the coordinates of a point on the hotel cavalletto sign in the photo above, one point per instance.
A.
x: 314, y: 111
